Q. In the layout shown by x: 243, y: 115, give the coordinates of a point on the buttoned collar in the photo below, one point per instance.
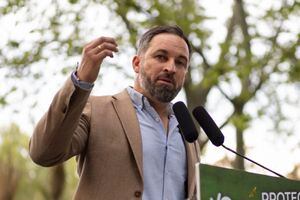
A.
x: 140, y: 101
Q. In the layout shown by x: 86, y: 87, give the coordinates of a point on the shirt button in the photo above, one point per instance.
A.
x: 137, y: 194
x: 157, y: 119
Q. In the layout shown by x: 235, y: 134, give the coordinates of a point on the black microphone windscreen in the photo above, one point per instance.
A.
x: 186, y: 124
x: 209, y: 126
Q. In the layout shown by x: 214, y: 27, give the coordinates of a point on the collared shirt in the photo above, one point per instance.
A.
x: 164, y: 155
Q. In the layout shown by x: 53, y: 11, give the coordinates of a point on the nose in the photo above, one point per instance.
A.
x: 170, y: 66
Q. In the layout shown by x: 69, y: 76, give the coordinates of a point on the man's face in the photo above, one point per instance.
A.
x: 161, y: 69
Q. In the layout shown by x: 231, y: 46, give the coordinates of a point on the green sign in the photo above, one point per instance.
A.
x: 227, y: 184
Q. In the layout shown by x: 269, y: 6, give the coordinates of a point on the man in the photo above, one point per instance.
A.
x: 128, y: 145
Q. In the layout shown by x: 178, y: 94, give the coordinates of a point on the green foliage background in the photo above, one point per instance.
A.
x: 257, y: 58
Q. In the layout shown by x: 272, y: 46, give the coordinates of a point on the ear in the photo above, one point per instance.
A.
x: 136, y: 62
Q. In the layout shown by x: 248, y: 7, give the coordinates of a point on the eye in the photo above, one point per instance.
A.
x: 161, y: 57
x: 181, y: 63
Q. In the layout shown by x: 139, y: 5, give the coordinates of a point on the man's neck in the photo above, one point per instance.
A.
x: 160, y: 107
x: 162, y: 110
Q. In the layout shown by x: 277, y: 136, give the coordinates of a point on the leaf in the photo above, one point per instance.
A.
x: 13, y: 44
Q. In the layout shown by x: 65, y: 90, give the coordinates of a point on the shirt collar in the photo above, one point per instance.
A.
x: 139, y: 100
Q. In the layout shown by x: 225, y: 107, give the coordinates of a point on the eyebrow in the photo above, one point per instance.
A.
x: 166, y: 53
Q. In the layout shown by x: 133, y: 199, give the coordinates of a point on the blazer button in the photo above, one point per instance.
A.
x: 137, y: 194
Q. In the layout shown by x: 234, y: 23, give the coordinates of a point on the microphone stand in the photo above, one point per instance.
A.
x: 253, y: 161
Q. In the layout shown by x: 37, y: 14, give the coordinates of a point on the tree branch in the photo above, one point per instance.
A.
x: 199, y: 50
x: 224, y: 94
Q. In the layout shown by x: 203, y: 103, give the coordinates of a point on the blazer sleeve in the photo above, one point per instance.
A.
x: 63, y: 131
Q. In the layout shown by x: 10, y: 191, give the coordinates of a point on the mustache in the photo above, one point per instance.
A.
x: 166, y: 77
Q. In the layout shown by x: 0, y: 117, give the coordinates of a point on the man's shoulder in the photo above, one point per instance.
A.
x: 120, y: 101
x: 123, y: 94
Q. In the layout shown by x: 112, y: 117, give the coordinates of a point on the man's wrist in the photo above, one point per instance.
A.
x: 81, y: 84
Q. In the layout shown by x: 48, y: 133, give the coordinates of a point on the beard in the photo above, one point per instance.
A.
x: 163, y: 93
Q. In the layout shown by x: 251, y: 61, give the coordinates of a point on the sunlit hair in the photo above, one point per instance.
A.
x: 146, y: 38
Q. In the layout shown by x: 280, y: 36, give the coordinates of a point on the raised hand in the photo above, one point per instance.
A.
x: 93, y: 55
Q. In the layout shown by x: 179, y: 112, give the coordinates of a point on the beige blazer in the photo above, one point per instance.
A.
x: 103, y: 132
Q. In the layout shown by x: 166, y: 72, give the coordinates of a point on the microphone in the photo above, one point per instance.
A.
x: 186, y: 124
x: 216, y: 136
x: 209, y: 126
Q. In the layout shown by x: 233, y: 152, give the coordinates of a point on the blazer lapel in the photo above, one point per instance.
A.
x: 191, y: 160
x: 127, y: 115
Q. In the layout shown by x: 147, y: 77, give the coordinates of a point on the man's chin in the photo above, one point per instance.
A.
x: 165, y: 85
x: 165, y: 94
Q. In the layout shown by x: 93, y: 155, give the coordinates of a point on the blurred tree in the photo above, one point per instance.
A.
x: 12, y: 142
x: 21, y: 179
x: 57, y: 182
x: 248, y: 58
x: 259, y: 53
x: 252, y: 68
x: 295, y: 174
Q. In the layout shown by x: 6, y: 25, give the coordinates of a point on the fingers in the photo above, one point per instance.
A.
x: 100, y: 42
x: 105, y: 49
x: 101, y: 47
x: 93, y: 55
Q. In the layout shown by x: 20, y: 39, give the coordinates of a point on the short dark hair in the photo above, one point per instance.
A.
x: 146, y: 38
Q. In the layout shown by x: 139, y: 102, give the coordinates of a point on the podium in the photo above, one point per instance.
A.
x: 216, y: 183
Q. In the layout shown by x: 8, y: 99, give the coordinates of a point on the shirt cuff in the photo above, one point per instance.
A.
x: 81, y: 84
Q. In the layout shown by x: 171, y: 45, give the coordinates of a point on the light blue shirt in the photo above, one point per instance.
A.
x: 164, y: 155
